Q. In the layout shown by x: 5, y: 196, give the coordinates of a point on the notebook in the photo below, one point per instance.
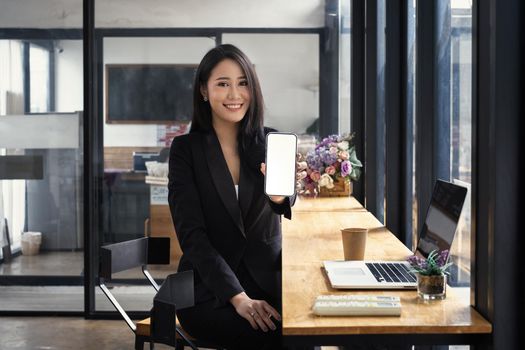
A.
x: 437, y: 233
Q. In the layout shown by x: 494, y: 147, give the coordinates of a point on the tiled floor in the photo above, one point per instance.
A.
x: 71, y: 298
x: 45, y: 263
x: 69, y: 333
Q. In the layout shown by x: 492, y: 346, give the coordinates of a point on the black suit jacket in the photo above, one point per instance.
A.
x: 215, y: 230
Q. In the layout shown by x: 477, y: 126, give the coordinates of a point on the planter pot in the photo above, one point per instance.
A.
x: 432, y: 287
x: 342, y: 188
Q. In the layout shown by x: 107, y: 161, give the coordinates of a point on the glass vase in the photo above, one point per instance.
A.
x: 432, y: 287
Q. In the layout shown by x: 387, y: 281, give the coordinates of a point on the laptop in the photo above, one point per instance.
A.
x: 437, y: 233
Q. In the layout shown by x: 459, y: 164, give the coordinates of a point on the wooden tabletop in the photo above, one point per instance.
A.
x: 313, y: 236
x: 327, y: 204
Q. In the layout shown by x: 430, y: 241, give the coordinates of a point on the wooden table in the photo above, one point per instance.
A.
x: 307, y: 204
x: 160, y: 223
x: 313, y: 236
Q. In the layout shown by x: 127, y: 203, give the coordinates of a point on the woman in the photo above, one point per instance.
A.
x: 228, y: 229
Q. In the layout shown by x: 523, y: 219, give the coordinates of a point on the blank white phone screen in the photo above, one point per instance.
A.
x: 281, y: 149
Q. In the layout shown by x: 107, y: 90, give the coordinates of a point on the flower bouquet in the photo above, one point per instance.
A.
x: 431, y: 274
x: 331, y: 166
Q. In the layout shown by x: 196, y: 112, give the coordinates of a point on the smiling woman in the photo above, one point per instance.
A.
x: 228, y: 229
x: 227, y: 91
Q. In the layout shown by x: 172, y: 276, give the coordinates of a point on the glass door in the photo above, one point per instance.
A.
x: 41, y: 159
x: 146, y: 84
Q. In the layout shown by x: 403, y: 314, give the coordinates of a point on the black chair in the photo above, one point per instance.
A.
x: 175, y: 293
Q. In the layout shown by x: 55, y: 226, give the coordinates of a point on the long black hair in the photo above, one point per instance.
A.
x: 251, y: 131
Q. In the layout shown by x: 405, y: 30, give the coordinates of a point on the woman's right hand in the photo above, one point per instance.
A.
x: 257, y: 312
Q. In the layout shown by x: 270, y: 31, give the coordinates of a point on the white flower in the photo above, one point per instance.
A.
x: 343, y: 145
x: 326, y: 181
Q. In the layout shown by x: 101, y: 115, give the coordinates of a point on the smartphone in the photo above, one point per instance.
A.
x: 281, y: 149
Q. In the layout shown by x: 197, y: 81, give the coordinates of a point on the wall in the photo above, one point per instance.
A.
x: 69, y: 76
x: 289, y: 88
x: 164, y: 13
x: 288, y: 69
x: 147, y: 50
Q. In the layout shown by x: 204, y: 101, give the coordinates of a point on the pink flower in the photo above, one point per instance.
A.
x: 344, y: 155
x: 310, y: 188
x: 346, y: 168
x: 315, y: 175
x: 330, y: 170
x: 333, y: 150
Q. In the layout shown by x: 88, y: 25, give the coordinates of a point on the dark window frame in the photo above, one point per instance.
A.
x: 357, y: 95
x: 498, y: 106
x: 373, y: 142
x: 395, y: 92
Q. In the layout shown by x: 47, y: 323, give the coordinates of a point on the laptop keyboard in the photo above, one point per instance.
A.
x: 391, y: 272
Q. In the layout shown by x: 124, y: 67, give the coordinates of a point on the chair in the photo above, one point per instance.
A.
x: 176, y: 291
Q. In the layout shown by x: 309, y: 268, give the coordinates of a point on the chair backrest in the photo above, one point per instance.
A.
x: 175, y: 293
x: 125, y: 255
x: 177, y: 289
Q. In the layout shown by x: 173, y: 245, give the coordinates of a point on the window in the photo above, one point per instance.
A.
x: 345, y: 54
x: 454, y: 115
x: 461, y: 124
x: 39, y: 79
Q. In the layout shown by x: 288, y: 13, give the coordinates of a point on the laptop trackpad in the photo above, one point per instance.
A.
x: 349, y: 271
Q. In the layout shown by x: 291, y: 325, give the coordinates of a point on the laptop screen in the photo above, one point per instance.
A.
x: 442, y: 218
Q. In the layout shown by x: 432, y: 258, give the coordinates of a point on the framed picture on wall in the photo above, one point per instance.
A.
x: 149, y: 93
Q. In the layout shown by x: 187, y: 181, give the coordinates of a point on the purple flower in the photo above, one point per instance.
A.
x: 434, y: 264
x: 346, y: 168
x: 442, y: 258
x: 328, y: 158
x: 313, y: 160
x: 417, y: 262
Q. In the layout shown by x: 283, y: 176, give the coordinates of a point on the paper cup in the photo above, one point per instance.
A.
x: 354, y: 242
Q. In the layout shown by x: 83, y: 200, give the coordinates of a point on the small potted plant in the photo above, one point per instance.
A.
x: 431, y: 274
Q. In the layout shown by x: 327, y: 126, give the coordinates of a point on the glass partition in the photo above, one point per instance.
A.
x: 133, y: 204
x: 41, y: 158
x: 283, y: 45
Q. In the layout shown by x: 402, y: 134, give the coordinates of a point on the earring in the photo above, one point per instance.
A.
x: 205, y: 98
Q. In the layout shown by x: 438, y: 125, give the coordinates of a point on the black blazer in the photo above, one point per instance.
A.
x: 215, y: 230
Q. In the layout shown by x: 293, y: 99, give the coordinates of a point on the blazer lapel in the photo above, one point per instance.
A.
x: 222, y: 179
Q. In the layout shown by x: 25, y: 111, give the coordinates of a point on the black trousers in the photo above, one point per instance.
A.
x: 224, y: 327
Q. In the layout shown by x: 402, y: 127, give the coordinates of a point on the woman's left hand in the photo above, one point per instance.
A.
x: 300, y: 168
